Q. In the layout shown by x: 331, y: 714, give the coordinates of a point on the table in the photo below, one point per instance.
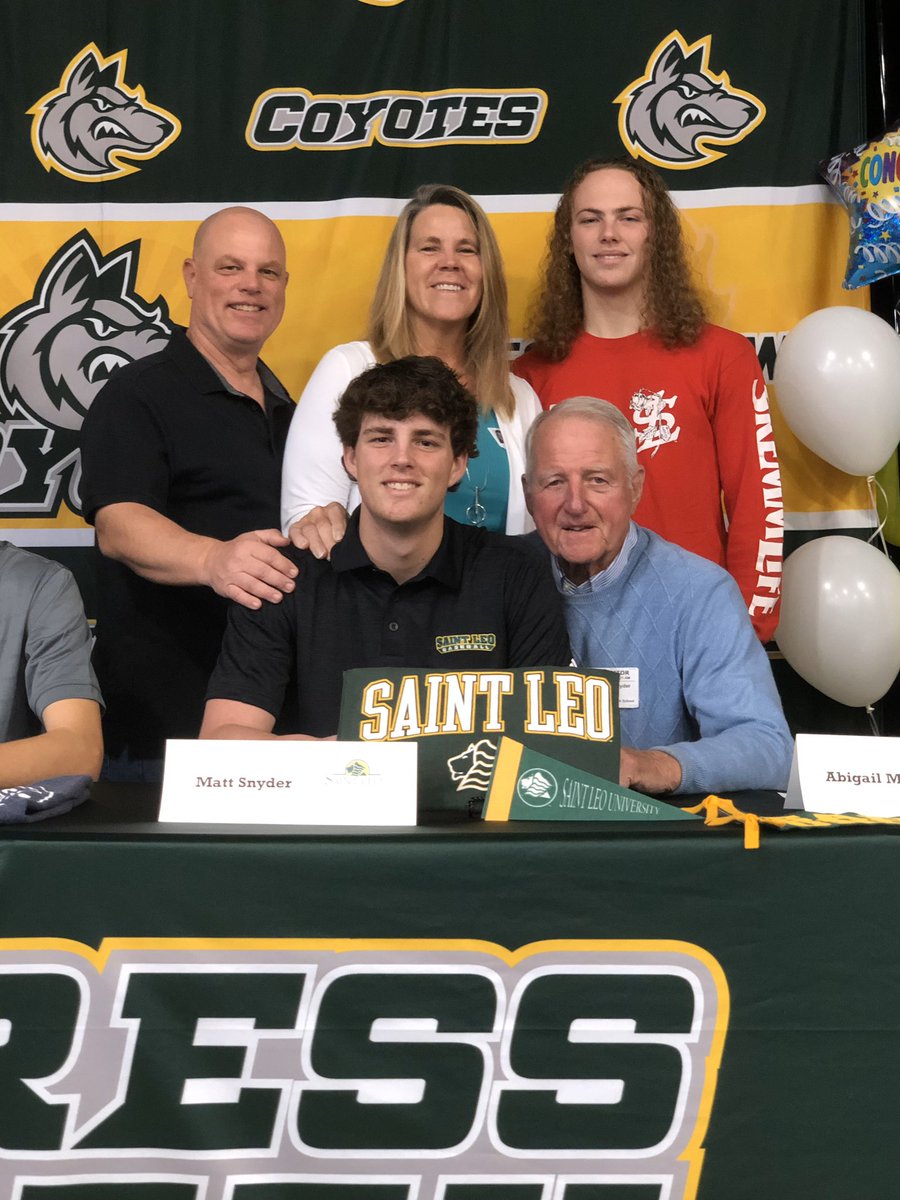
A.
x: 457, y: 1012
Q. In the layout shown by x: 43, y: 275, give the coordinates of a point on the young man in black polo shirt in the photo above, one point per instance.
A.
x: 406, y: 587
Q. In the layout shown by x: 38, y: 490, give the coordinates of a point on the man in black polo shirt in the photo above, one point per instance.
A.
x: 406, y: 586
x: 181, y: 456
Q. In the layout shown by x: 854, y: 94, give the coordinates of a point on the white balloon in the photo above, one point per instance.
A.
x: 837, y: 376
x: 840, y: 618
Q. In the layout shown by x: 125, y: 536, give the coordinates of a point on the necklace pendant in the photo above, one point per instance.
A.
x: 476, y: 513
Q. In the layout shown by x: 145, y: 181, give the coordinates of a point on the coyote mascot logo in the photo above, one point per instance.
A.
x: 92, y: 123
x: 678, y: 111
x: 57, y: 350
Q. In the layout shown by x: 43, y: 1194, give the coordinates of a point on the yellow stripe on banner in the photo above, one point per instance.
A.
x: 503, y: 784
x: 889, y: 504
x: 765, y: 269
x: 716, y: 810
x: 809, y: 483
x: 65, y: 519
x: 762, y: 268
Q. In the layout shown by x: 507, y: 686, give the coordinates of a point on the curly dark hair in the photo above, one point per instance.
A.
x: 405, y: 386
x: 673, y: 308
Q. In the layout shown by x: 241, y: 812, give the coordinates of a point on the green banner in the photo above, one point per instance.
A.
x: 131, y: 126
x: 458, y: 717
x: 353, y: 98
x: 527, y: 786
x: 472, y: 1011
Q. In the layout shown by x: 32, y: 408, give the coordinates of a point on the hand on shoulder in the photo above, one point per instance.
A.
x: 249, y: 568
x: 320, y: 529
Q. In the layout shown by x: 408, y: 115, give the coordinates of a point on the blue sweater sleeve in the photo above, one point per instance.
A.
x: 742, y: 737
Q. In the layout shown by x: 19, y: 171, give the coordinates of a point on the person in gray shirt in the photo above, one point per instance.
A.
x: 49, y: 699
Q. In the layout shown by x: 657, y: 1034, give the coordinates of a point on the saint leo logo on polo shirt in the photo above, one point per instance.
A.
x: 654, y: 423
x: 456, y: 643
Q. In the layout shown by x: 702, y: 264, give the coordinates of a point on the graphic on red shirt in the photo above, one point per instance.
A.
x: 654, y: 426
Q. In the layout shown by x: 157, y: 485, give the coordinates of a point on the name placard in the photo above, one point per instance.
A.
x: 289, y: 783
x: 836, y: 773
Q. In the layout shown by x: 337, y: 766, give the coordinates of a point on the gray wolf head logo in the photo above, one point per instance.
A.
x: 83, y: 322
x: 678, y: 107
x: 92, y: 123
x: 57, y: 350
x: 472, y: 768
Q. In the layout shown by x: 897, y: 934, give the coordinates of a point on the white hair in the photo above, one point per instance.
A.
x: 601, y: 412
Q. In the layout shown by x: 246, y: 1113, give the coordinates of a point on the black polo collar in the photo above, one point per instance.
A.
x: 203, y: 376
x: 446, y: 566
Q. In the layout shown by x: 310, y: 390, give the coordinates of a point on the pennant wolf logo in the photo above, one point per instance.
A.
x: 678, y: 110
x: 92, y: 123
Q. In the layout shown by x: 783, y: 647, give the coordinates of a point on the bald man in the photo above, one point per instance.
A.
x: 181, y: 459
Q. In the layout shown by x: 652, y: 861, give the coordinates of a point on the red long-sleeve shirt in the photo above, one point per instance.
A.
x: 704, y: 437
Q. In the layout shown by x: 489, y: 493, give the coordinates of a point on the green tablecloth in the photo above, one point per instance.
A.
x: 468, y: 1011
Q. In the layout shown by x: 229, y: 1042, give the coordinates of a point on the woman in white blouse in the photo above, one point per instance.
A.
x: 441, y: 292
